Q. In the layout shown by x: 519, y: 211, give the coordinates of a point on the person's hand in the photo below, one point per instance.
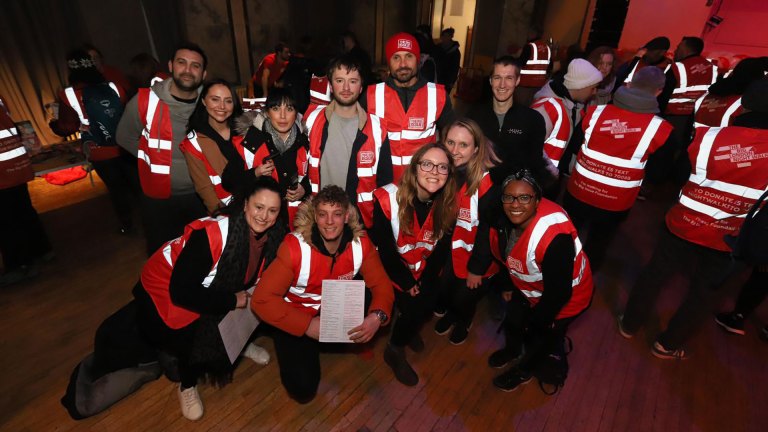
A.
x: 641, y: 52
x: 264, y: 169
x: 506, y: 295
x: 295, y: 194
x: 473, y: 280
x: 365, y: 331
x: 242, y: 299
x: 414, y: 291
x: 313, y: 330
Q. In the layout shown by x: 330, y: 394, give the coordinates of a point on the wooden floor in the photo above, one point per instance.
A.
x: 48, y: 326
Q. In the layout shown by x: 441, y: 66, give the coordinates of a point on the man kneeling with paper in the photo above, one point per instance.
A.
x: 312, y: 291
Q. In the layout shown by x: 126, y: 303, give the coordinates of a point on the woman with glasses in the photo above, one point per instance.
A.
x: 272, y: 143
x: 411, y: 227
x: 465, y: 276
x: 547, y: 280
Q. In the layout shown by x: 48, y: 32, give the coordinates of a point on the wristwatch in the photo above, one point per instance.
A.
x: 381, y: 315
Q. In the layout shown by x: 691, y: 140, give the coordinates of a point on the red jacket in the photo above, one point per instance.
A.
x: 728, y: 175
x: 524, y: 259
x: 610, y: 165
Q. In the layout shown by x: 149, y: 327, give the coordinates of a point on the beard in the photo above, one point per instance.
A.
x: 182, y: 86
x: 346, y: 103
x: 403, y: 78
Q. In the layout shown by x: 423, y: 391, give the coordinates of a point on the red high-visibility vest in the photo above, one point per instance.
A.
x: 694, y: 76
x: 155, y: 145
x: 156, y: 274
x: 463, y: 241
x: 15, y: 165
x: 319, y: 90
x: 367, y: 158
x: 716, y: 111
x: 610, y: 165
x: 728, y: 175
x: 524, y: 259
x: 562, y: 127
x: 309, y: 271
x: 534, y: 72
x: 414, y: 248
x: 407, y: 131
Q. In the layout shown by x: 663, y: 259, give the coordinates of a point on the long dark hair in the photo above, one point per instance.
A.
x: 234, y: 258
x: 199, y: 117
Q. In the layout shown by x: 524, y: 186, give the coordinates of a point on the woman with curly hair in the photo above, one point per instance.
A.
x: 412, y: 228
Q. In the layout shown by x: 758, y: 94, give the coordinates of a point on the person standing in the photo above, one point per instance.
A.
x: 516, y: 131
x: 23, y: 239
x: 449, y: 62
x: 536, y: 61
x: 152, y: 127
x: 727, y: 178
x: 652, y: 53
x: 610, y: 166
x: 346, y: 143
x: 413, y: 107
x: 208, y: 146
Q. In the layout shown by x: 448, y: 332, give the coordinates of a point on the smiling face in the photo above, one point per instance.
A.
x: 218, y: 103
x: 330, y: 219
x: 461, y: 144
x: 518, y: 213
x: 504, y: 80
x: 403, y: 66
x: 261, y: 210
x: 346, y: 85
x: 605, y: 65
x: 282, y: 117
x: 430, y: 182
x: 187, y: 69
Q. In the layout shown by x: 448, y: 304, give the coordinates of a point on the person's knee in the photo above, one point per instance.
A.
x: 302, y: 389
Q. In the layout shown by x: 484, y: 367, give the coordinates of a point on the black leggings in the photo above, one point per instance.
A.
x: 413, y: 311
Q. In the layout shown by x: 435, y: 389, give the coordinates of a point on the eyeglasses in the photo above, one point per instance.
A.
x: 522, y: 199
x: 429, y: 166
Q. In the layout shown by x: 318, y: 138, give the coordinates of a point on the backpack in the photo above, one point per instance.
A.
x: 749, y: 245
x: 553, y: 369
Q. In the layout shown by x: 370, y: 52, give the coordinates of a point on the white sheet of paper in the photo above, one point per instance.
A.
x: 236, y: 328
x: 342, y: 308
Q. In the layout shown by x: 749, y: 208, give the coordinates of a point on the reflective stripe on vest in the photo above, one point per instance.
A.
x: 725, y: 120
x: 555, y: 138
x: 6, y: 133
x: 536, y: 61
x: 74, y: 102
x: 12, y: 154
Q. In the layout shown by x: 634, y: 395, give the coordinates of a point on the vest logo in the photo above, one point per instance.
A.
x: 514, y: 264
x: 416, y: 123
x: 465, y: 214
x: 700, y: 68
x: 404, y: 44
x: 366, y: 157
x: 427, y: 235
x: 348, y: 276
x: 741, y: 156
x: 617, y: 128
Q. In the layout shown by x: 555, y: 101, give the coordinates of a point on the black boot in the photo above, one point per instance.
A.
x: 395, y: 358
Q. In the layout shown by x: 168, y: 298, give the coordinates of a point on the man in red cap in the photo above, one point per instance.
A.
x: 412, y: 107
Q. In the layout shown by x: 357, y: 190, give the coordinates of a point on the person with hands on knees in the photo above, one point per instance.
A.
x: 548, y: 282
x: 412, y: 224
x: 189, y: 284
x: 272, y: 143
x: 465, y: 275
x: 329, y: 242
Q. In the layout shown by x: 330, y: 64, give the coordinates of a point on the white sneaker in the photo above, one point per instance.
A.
x: 259, y: 355
x: 191, y: 405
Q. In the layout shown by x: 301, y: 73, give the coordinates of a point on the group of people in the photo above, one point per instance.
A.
x: 385, y: 184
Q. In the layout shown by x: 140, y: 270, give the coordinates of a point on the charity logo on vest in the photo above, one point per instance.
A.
x: 427, y: 235
x: 348, y: 276
x: 415, y: 123
x: 741, y: 156
x: 617, y: 128
x: 465, y: 214
x: 700, y: 68
x: 366, y: 157
x: 514, y: 264
x: 713, y: 104
x: 404, y: 44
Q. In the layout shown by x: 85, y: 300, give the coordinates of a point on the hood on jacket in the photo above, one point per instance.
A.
x: 305, y: 220
x: 163, y: 90
x: 257, y: 119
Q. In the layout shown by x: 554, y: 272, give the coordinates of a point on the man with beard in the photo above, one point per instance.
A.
x: 153, y: 124
x: 412, y: 107
x: 345, y: 142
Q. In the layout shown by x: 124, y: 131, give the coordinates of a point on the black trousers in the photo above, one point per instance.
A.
x: 459, y: 300
x: 706, y: 269
x: 598, y: 226
x: 298, y: 358
x: 519, y: 333
x: 413, y: 311
x: 164, y: 219
x: 22, y: 236
x: 752, y: 293
x: 121, y: 179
